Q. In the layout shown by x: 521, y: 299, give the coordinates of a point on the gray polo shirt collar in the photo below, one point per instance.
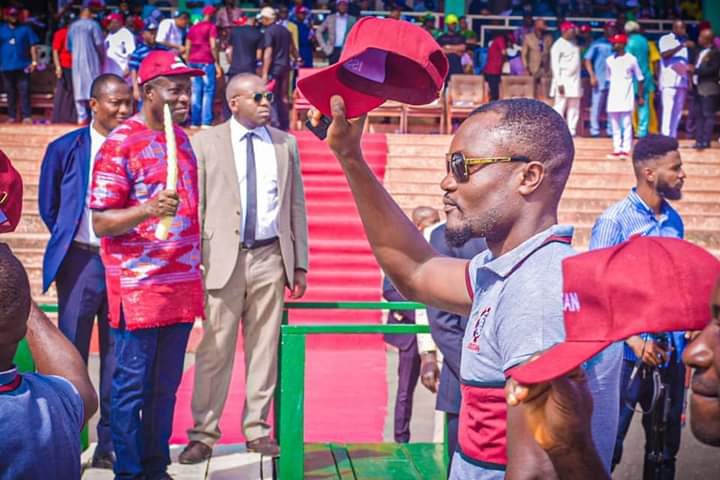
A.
x: 504, y: 265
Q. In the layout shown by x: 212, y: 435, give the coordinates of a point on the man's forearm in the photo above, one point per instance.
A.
x: 110, y: 223
x: 581, y: 461
x: 400, y: 250
x: 267, y: 59
x: 53, y: 354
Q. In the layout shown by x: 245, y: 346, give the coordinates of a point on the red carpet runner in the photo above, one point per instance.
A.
x: 346, y: 388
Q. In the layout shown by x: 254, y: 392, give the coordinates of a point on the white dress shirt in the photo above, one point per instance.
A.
x: 268, y: 201
x: 673, y: 71
x: 620, y: 72
x: 119, y: 46
x: 341, y: 22
x: 86, y: 233
x: 169, y: 32
x: 565, y: 65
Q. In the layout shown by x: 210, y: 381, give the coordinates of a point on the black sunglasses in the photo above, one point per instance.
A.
x: 457, y: 163
x: 258, y: 97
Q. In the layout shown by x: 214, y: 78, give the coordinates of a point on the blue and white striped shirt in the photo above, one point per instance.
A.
x: 632, y: 216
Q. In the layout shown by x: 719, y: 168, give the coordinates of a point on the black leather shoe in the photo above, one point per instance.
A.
x: 699, y: 146
x: 103, y: 460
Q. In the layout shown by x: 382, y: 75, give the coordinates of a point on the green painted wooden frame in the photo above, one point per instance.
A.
x: 290, y: 396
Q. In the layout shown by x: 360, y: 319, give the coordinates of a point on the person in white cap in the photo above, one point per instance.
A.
x: 565, y: 66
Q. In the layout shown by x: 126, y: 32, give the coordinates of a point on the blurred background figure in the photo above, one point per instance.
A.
x: 85, y: 43
x: 64, y: 100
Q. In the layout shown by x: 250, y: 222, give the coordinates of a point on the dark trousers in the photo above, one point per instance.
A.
x: 82, y: 296
x: 408, y: 375
x: 453, y: 420
x: 705, y: 108
x: 494, y: 86
x: 64, y: 110
x: 334, y: 57
x: 17, y: 84
x: 148, y: 373
x: 280, y: 107
x: 641, y: 391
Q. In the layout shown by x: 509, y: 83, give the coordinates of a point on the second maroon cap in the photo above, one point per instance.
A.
x: 164, y: 63
x: 644, y: 285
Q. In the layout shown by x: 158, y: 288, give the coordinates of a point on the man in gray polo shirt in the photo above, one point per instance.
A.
x: 507, y: 168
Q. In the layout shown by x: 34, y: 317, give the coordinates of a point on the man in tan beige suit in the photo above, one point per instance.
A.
x: 535, y: 55
x: 254, y: 244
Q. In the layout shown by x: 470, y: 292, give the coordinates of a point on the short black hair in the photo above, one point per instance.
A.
x: 533, y: 129
x: 14, y: 288
x: 653, y: 146
x: 98, y: 85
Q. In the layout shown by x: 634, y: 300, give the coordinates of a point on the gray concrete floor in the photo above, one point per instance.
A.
x: 695, y: 461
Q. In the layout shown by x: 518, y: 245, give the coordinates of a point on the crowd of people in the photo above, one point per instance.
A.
x: 223, y: 40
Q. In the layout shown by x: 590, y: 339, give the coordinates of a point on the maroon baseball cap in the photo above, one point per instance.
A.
x: 11, y: 195
x: 382, y: 60
x: 164, y: 63
x: 647, y: 284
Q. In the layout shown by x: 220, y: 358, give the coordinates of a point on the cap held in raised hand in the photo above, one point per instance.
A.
x: 382, y: 60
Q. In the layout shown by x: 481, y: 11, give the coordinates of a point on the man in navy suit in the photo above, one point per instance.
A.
x: 407, y: 345
x: 447, y: 330
x: 72, y: 257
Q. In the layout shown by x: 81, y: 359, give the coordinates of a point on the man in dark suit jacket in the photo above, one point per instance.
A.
x: 72, y: 257
x: 447, y: 330
x: 407, y: 345
x: 707, y: 89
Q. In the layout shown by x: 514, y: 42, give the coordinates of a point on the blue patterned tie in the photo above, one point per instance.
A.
x: 251, y: 184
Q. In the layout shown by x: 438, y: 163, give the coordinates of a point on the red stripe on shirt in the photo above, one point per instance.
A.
x: 468, y: 282
x: 482, y: 424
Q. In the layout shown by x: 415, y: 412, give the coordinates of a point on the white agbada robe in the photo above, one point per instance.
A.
x: 565, y: 63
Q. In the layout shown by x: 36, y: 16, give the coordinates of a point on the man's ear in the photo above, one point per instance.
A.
x: 649, y: 174
x: 533, y: 175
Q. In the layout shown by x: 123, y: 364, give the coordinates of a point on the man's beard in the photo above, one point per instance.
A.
x: 666, y: 191
x: 486, y: 227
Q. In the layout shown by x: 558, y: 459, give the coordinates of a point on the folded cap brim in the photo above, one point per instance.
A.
x: 559, y: 360
x: 320, y: 87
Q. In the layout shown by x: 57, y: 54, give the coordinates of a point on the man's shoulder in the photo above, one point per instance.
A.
x: 280, y: 136
x: 208, y: 135
x: 68, y: 139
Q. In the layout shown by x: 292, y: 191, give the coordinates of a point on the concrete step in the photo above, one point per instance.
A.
x: 26, y: 240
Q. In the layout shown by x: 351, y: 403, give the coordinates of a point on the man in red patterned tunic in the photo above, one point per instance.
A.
x: 154, y: 287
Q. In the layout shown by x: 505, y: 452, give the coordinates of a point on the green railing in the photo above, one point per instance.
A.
x: 290, y: 396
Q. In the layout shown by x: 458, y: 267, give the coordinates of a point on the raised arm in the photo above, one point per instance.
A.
x: 415, y: 269
x: 55, y: 355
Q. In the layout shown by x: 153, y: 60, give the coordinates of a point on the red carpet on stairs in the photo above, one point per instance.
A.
x: 345, y: 375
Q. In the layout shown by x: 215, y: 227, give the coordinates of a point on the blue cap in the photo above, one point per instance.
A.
x: 150, y: 24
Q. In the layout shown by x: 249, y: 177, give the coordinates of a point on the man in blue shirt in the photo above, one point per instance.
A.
x: 142, y: 50
x: 595, y: 59
x: 18, y: 59
x: 41, y: 414
x: 646, y: 211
